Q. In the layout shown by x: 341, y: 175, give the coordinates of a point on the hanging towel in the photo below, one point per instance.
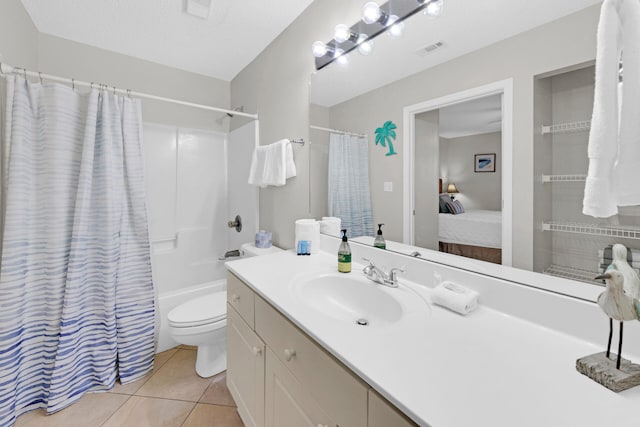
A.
x: 272, y: 164
x: 614, y: 140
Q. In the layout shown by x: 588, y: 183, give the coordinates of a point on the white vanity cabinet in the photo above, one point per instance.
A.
x: 281, y: 377
x: 245, y: 356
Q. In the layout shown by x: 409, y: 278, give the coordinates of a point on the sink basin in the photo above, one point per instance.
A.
x: 349, y: 298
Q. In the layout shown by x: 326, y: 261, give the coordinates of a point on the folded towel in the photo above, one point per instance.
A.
x: 272, y: 164
x: 455, y: 297
x: 330, y: 225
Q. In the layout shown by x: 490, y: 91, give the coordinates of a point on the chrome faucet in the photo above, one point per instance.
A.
x: 378, y: 275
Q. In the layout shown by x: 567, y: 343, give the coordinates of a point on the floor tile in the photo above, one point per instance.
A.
x: 205, y: 415
x: 176, y: 379
x: 149, y: 412
x: 131, y: 388
x: 92, y: 409
x: 217, y: 393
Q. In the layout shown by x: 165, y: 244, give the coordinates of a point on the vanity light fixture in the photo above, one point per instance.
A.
x: 365, y: 46
x: 376, y: 19
x: 433, y: 8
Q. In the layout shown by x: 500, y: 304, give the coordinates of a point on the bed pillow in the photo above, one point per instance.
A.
x: 455, y: 207
x: 444, y: 198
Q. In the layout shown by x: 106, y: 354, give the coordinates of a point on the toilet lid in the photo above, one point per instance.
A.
x: 200, y: 311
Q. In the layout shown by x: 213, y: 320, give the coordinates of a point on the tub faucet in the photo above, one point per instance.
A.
x: 229, y: 254
x: 378, y: 275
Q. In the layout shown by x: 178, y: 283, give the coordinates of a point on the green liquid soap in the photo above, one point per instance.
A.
x: 344, y: 254
x: 379, y: 240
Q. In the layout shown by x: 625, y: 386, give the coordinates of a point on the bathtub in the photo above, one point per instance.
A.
x: 168, y: 300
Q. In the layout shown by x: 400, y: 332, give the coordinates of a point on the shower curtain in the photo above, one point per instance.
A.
x: 77, y: 304
x: 349, y: 192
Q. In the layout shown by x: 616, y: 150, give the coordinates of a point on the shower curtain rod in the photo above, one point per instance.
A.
x: 344, y: 132
x: 7, y: 69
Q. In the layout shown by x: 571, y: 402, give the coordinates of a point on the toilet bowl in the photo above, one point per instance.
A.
x: 202, y: 322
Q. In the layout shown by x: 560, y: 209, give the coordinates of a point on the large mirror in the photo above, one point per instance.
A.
x: 481, y: 99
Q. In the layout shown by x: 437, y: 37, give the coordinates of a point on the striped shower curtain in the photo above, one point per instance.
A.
x: 349, y: 192
x: 77, y: 304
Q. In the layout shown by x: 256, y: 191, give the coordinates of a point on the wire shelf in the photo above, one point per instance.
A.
x: 564, y: 178
x: 593, y: 229
x: 567, y: 127
x: 572, y: 273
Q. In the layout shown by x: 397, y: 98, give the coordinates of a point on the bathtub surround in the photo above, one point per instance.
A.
x: 78, y: 296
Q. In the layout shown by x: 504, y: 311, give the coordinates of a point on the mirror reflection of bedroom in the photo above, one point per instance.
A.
x: 466, y: 140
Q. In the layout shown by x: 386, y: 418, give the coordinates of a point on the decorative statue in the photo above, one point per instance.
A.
x: 631, y: 278
x: 616, y: 304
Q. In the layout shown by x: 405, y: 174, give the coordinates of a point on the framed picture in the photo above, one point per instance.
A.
x: 484, y: 162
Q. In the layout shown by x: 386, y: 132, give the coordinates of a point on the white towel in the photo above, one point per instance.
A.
x: 614, y: 151
x: 272, y: 164
x: 455, y: 297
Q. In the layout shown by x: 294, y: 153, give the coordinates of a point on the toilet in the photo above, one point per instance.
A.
x: 202, y: 321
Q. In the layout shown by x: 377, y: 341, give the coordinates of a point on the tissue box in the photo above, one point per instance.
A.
x: 263, y: 239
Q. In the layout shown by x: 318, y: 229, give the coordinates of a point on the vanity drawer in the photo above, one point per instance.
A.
x: 240, y: 297
x: 341, y: 394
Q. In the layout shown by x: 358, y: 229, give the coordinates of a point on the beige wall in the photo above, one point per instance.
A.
x: 18, y: 36
x: 70, y: 59
x: 568, y: 41
x: 478, y: 190
x: 276, y: 85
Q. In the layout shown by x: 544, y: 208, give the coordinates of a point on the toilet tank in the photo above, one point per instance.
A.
x: 248, y: 250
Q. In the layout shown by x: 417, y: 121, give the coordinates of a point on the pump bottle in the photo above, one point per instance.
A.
x: 379, y: 240
x: 344, y: 254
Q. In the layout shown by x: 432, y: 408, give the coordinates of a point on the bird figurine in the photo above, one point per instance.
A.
x: 631, y: 278
x: 617, y: 305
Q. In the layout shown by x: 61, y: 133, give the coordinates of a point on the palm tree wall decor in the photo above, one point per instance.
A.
x: 385, y: 135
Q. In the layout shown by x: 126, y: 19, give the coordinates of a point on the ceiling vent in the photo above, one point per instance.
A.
x: 430, y: 48
x: 198, y: 8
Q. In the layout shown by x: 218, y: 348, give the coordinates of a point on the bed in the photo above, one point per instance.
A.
x: 473, y: 234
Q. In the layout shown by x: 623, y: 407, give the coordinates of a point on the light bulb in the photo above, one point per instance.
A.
x: 319, y: 49
x: 395, y: 28
x: 341, y: 33
x: 434, y: 8
x: 364, y: 46
x: 371, y: 12
x: 340, y: 57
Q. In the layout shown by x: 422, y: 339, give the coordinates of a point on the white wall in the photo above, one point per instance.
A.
x: 426, y: 180
x: 478, y: 190
x: 18, y: 36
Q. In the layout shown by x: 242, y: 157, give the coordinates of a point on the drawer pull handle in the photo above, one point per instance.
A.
x: 257, y: 351
x: 289, y: 354
x: 235, y: 298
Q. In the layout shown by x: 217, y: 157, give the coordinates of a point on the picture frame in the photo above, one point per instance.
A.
x: 484, y: 162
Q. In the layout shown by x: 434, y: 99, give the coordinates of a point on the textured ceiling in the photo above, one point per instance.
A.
x: 159, y: 31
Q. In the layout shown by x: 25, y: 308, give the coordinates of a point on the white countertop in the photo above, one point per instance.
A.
x: 442, y: 369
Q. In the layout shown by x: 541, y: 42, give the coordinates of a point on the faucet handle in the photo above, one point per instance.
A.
x: 371, y: 264
x: 393, y: 274
x: 369, y: 267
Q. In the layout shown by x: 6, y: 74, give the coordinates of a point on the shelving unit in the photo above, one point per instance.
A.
x: 581, y: 126
x: 564, y: 178
x: 572, y: 273
x: 592, y: 229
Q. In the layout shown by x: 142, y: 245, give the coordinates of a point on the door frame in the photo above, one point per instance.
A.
x: 504, y: 87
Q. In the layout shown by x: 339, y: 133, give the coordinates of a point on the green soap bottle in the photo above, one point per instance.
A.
x: 379, y: 240
x: 344, y: 254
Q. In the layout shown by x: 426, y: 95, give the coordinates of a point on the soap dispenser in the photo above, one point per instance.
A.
x: 379, y: 240
x: 344, y: 254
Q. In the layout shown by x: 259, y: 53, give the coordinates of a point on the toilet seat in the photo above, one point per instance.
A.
x: 201, y: 311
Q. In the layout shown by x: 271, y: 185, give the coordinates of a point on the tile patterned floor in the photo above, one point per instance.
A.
x: 173, y: 395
